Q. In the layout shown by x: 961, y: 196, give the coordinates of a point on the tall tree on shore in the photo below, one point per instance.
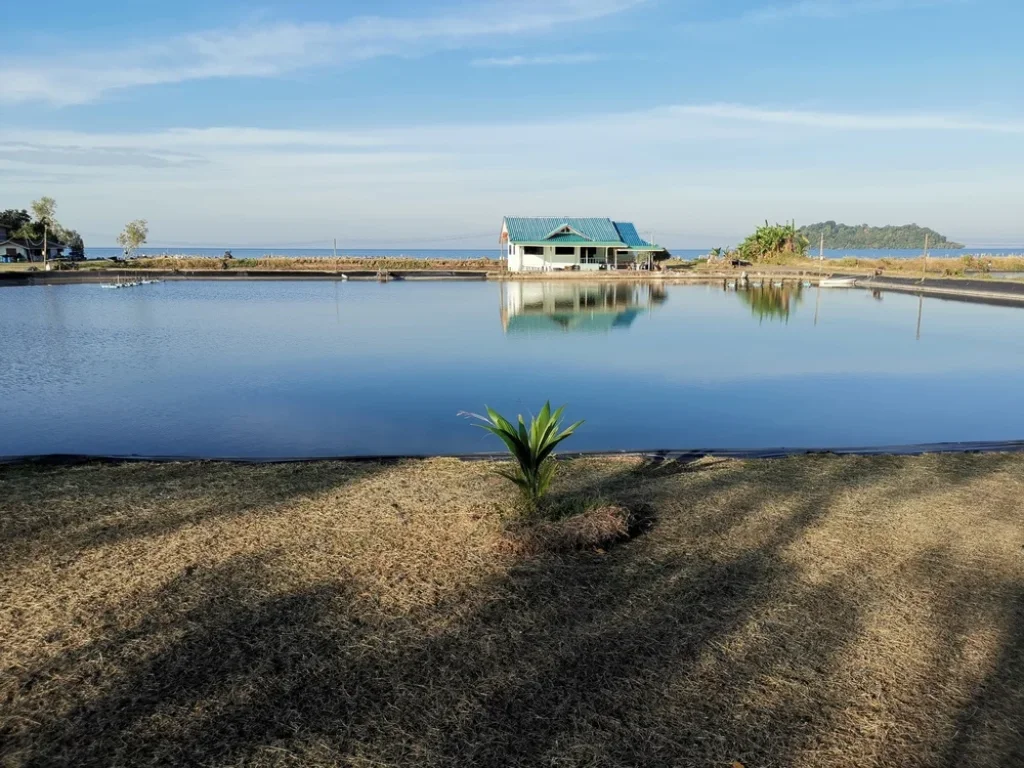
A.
x: 133, y: 237
x: 75, y: 244
x: 38, y: 227
x: 14, y: 220
x: 44, y: 212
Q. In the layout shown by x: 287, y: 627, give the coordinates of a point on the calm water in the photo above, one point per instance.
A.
x: 492, y: 253
x: 322, y: 368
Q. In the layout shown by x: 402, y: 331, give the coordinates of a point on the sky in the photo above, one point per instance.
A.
x: 393, y: 123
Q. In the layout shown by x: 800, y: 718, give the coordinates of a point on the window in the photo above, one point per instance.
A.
x: 564, y: 250
x: 533, y: 250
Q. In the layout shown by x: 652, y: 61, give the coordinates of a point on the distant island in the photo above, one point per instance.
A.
x: 863, y: 236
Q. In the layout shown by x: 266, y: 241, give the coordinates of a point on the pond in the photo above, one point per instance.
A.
x: 308, y: 368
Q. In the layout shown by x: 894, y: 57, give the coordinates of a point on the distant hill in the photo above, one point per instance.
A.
x: 863, y: 236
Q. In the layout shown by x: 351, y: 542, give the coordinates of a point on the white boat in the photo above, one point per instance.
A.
x: 838, y: 282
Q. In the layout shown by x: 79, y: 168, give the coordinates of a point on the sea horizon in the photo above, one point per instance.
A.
x: 106, y: 252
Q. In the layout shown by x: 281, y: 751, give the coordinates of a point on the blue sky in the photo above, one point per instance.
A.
x: 398, y: 123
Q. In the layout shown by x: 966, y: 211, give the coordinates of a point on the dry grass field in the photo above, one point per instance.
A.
x: 808, y: 612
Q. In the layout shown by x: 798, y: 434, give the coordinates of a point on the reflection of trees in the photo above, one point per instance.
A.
x: 772, y: 302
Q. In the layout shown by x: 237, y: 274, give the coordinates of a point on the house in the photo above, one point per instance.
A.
x: 545, y: 244
x: 21, y: 249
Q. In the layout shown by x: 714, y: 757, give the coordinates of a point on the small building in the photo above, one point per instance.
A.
x: 13, y: 249
x: 547, y: 244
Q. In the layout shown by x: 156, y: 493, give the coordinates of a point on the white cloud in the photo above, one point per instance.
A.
x: 854, y: 122
x: 720, y: 121
x: 271, y: 49
x: 529, y: 61
x: 689, y: 167
x: 815, y: 10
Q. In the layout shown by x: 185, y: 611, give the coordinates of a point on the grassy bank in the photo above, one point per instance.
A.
x: 272, y: 264
x: 958, y: 266
x: 935, y: 267
x: 814, y: 611
x: 319, y: 264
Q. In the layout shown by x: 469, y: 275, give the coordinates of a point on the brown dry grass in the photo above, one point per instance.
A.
x: 815, y: 611
x: 594, y: 529
x: 950, y: 266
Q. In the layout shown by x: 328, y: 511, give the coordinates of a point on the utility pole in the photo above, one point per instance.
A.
x: 46, y: 250
x: 821, y: 254
x: 335, y: 254
x: 924, y: 271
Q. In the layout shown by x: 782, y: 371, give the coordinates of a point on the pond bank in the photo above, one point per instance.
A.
x: 1007, y: 290
x: 816, y: 611
x: 660, y: 455
x: 1001, y: 290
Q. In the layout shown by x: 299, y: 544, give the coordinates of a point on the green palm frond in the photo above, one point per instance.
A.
x: 531, y: 446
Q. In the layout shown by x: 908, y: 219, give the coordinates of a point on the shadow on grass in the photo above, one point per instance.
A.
x: 60, y: 511
x: 701, y: 644
x: 989, y: 728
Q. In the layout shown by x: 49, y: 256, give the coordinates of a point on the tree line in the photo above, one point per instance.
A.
x: 39, y: 227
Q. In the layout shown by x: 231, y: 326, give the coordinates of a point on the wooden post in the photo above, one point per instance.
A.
x: 335, y: 255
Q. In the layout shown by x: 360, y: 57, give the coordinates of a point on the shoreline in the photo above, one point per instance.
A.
x: 655, y: 455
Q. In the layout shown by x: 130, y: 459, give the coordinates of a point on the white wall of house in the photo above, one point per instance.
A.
x: 549, y: 258
x: 14, y: 250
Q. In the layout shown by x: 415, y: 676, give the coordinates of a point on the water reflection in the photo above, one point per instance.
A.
x: 774, y: 302
x: 536, y: 307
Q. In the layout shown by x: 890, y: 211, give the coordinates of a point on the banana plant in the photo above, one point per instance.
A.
x: 532, y: 448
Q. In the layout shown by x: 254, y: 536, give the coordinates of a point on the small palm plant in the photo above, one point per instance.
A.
x: 532, y: 447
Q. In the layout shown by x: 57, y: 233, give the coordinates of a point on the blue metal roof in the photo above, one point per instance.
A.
x: 550, y: 229
x: 582, y: 322
x: 527, y: 230
x: 629, y: 235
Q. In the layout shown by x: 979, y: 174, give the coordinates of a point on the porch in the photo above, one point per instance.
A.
x: 582, y: 258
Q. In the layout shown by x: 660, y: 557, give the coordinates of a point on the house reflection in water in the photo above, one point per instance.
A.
x: 538, y: 307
